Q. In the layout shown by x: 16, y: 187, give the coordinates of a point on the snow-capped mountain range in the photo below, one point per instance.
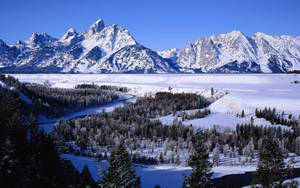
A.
x: 111, y: 49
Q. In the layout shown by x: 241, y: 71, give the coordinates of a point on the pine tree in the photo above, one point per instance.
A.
x: 199, y: 161
x: 243, y: 114
x: 86, y: 177
x: 120, y: 173
x: 271, y: 166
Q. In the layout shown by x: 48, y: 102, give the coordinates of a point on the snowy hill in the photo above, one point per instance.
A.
x: 111, y: 49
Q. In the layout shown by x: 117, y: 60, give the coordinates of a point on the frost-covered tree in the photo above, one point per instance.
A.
x: 271, y: 170
x: 216, y: 156
x: 297, y: 145
x: 199, y: 161
x: 120, y: 172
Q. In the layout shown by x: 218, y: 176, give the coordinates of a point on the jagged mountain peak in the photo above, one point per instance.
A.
x: 19, y: 42
x: 235, y: 52
x: 95, y: 28
x: 70, y: 32
x: 40, y: 40
x: 3, y: 46
x: 236, y: 33
x: 110, y: 39
x: 170, y: 53
x: 70, y: 36
x: 2, y: 43
x: 259, y: 34
x: 136, y: 59
x: 112, y: 49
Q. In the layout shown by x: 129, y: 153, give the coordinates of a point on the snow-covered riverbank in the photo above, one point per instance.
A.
x: 246, y: 91
x: 47, y: 124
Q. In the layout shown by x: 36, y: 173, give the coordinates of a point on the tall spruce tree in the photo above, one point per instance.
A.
x: 199, y: 161
x: 119, y: 173
x: 271, y: 170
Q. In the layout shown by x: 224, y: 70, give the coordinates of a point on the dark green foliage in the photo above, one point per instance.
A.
x: 120, y: 172
x: 28, y: 157
x: 199, y: 114
x: 294, y: 72
x: 199, y: 161
x: 86, y: 178
x: 275, y: 118
x: 144, y: 160
x: 87, y: 86
x: 271, y: 166
x: 57, y: 101
x: 164, y: 103
x: 53, y: 102
x: 161, y: 157
x: 103, y: 87
x: 127, y: 122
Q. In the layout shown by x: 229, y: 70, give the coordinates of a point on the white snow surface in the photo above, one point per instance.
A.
x: 246, y: 91
x: 2, y: 84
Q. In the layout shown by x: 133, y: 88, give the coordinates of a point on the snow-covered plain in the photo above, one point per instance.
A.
x: 245, y: 91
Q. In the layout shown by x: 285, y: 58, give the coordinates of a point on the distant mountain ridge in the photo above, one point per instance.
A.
x: 111, y: 49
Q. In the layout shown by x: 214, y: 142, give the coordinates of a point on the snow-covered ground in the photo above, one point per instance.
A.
x: 289, y: 180
x: 245, y: 91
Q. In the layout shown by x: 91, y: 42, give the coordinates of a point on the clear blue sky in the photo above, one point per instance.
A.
x: 157, y: 24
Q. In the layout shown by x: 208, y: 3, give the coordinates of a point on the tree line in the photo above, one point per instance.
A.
x: 53, y: 102
x: 274, y: 118
x: 135, y: 125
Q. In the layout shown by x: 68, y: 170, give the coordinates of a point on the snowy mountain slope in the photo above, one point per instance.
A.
x: 235, y: 52
x: 136, y: 59
x: 109, y: 49
x: 81, y: 53
x: 7, y: 54
x: 278, y: 53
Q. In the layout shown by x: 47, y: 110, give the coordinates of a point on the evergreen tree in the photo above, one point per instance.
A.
x: 271, y: 166
x: 243, y: 114
x: 199, y: 161
x: 161, y: 157
x: 216, y: 156
x: 29, y: 157
x: 119, y: 173
x: 86, y: 177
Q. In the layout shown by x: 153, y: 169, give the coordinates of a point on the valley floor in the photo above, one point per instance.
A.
x: 232, y: 94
